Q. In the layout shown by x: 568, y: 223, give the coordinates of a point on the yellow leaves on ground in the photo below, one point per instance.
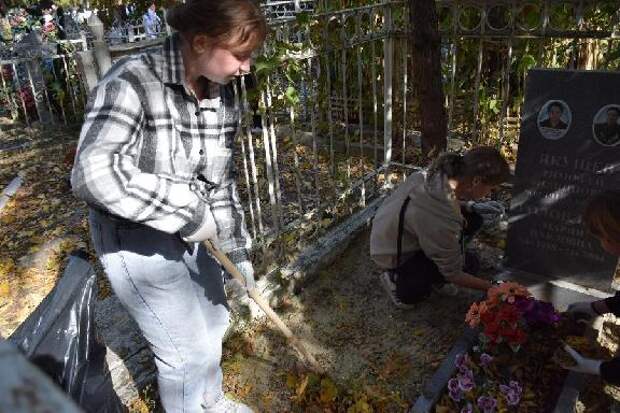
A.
x: 33, y: 225
x: 300, y: 391
x: 360, y: 406
x: 311, y: 390
x: 7, y: 269
x: 328, y: 392
x: 4, y: 289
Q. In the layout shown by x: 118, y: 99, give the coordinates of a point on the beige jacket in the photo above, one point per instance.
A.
x: 433, y: 224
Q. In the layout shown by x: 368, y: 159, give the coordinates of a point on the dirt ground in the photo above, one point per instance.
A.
x: 376, y: 357
x: 373, y: 352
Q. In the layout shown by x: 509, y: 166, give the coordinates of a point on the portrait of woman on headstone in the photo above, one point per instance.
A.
x: 554, y: 119
x: 606, y: 125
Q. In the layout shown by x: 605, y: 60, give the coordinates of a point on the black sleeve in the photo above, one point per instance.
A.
x: 613, y: 303
x: 610, y: 371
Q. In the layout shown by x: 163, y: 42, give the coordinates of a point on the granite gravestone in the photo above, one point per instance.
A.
x: 563, y: 159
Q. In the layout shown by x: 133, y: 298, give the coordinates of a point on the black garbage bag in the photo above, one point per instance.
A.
x: 60, y: 338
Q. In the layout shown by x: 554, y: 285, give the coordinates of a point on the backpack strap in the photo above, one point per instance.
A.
x: 401, y: 228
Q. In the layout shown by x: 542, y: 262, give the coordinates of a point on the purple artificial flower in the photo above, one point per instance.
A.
x: 516, y: 386
x: 537, y: 312
x: 454, y: 390
x: 466, y: 380
x: 512, y: 398
x: 457, y: 396
x: 461, y: 361
x: 485, y: 359
x: 525, y: 304
x: 453, y: 385
x: 487, y: 404
x: 468, y: 409
x: 512, y: 392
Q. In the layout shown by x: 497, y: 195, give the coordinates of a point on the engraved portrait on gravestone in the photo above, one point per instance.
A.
x: 606, y: 125
x: 554, y: 119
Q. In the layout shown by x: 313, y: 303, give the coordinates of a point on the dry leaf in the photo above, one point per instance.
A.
x: 4, y: 289
x: 301, y: 389
x: 329, y: 391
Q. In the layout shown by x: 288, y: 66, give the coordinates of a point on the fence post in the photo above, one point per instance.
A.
x: 84, y: 41
x: 168, y: 30
x: 31, y: 49
x: 88, y: 69
x: 100, y: 47
x: 388, y: 67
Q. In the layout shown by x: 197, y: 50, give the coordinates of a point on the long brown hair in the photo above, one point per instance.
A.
x: 238, y: 25
x: 485, y: 162
x: 602, y: 215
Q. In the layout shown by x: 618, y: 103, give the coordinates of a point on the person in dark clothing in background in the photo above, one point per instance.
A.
x: 120, y: 13
x: 61, y: 22
x: 602, y: 218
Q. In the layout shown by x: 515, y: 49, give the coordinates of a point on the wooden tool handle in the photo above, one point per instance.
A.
x: 263, y: 304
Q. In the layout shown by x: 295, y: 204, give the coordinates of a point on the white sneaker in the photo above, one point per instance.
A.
x: 390, y: 287
x: 447, y: 289
x: 226, y: 405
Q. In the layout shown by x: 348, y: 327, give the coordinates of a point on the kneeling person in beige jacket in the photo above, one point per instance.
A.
x: 419, y: 232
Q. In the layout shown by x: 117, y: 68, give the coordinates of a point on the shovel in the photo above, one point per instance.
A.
x: 306, y: 357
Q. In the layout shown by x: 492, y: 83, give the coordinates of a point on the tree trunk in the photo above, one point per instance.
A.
x: 426, y: 43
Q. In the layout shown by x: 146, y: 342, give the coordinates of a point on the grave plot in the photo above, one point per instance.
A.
x: 563, y: 159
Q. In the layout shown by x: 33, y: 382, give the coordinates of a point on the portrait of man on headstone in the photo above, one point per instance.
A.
x: 554, y: 119
x: 606, y: 126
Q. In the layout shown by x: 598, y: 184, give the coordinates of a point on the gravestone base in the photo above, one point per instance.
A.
x: 557, y: 291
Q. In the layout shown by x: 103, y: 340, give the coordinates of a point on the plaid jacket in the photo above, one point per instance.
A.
x: 151, y: 153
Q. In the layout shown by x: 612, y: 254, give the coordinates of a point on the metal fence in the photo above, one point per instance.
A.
x: 135, y: 31
x: 355, y: 128
x: 338, y: 111
x: 283, y: 10
x: 40, y: 82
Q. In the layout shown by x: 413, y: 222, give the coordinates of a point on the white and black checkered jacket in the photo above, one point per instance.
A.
x: 150, y: 152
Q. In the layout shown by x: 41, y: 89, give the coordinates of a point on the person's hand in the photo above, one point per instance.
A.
x: 581, y: 310
x: 583, y: 364
x: 247, y: 270
x: 237, y: 288
x: 206, y: 230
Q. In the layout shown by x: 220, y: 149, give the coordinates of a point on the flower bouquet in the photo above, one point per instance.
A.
x: 507, y: 314
x: 513, y: 367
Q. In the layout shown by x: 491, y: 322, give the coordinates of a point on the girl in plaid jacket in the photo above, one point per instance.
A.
x: 154, y: 163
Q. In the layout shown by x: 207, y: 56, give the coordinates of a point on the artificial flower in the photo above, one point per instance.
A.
x: 512, y: 392
x: 487, y: 404
x: 485, y: 359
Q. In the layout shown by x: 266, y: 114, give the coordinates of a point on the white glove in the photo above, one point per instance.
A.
x: 584, y: 365
x: 237, y: 288
x: 206, y: 230
x: 582, y: 310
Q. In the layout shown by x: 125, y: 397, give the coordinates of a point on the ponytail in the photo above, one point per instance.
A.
x: 485, y: 162
x: 449, y: 165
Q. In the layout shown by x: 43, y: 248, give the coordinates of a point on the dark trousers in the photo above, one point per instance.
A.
x: 416, y: 277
